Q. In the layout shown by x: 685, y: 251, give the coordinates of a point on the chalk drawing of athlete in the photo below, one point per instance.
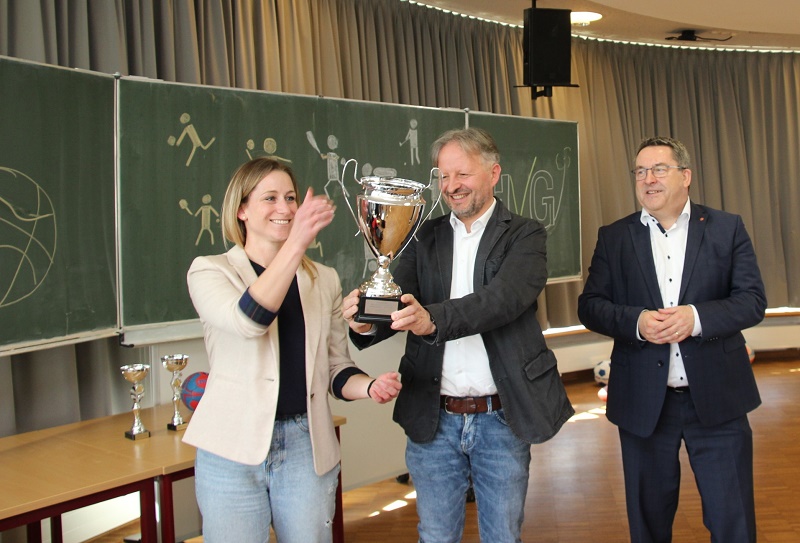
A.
x: 191, y: 131
x: 205, y: 212
x: 413, y: 141
x: 270, y: 146
x: 379, y: 171
x: 333, y: 160
x: 316, y: 244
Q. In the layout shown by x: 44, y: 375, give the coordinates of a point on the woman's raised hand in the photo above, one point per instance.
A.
x: 314, y: 214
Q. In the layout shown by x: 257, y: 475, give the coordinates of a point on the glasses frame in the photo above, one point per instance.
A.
x: 636, y: 171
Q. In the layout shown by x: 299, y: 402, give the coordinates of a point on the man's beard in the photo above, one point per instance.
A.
x: 471, y: 210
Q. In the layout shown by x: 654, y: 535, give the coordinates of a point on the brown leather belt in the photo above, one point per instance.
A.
x: 470, y: 404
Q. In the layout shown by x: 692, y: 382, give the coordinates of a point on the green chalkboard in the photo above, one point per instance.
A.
x: 179, y: 145
x: 57, y: 243
x: 61, y: 250
x: 539, y: 180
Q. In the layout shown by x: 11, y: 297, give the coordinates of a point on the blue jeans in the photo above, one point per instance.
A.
x: 238, y: 502
x: 484, y: 447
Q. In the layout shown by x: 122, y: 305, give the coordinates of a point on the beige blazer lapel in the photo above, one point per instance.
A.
x: 312, y: 307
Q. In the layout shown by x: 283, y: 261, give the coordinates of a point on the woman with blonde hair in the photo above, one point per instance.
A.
x: 277, y: 345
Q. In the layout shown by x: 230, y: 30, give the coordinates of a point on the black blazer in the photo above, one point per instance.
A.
x: 510, y: 273
x: 720, y: 278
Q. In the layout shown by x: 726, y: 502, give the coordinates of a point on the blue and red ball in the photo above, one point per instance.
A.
x: 193, y: 388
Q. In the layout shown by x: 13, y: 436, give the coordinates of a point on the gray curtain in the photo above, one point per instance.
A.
x: 739, y: 113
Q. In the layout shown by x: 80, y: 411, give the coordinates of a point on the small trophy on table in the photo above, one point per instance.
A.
x: 175, y: 363
x: 135, y: 374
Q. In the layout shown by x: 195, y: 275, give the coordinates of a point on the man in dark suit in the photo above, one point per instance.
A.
x: 675, y: 285
x: 479, y: 383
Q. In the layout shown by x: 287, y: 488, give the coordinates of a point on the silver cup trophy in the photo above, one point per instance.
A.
x: 135, y: 374
x: 175, y: 363
x: 388, y: 214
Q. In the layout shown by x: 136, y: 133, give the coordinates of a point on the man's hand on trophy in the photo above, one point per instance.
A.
x: 413, y: 317
x: 349, y: 310
x: 314, y: 214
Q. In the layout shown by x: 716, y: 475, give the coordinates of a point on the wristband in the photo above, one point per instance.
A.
x: 369, y: 386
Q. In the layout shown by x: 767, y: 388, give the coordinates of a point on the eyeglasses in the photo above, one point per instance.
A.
x: 660, y: 171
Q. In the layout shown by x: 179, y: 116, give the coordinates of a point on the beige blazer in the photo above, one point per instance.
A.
x: 235, y: 417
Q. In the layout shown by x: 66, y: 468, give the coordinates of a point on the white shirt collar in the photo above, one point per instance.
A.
x: 646, y: 218
x: 478, y: 223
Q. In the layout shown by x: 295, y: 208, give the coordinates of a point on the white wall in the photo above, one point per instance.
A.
x: 580, y: 351
x: 373, y: 445
x: 774, y: 334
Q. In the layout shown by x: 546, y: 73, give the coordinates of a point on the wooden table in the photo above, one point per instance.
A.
x: 49, y: 472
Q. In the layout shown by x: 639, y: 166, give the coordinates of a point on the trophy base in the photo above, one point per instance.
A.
x: 140, y: 435
x: 373, y: 310
x: 177, y: 427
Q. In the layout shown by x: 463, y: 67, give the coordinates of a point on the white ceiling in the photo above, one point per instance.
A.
x: 764, y: 24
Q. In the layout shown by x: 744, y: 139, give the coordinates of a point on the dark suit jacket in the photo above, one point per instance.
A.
x: 510, y: 272
x: 720, y: 278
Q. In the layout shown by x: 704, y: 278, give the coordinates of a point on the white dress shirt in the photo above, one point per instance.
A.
x: 466, y: 363
x: 669, y: 251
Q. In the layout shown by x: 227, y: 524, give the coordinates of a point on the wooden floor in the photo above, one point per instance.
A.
x: 576, y: 492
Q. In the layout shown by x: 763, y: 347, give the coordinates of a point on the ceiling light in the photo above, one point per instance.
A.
x: 583, y: 18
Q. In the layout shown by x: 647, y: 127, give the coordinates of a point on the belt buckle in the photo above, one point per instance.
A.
x: 446, y: 407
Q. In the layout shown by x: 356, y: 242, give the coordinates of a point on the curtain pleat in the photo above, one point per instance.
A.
x: 139, y: 32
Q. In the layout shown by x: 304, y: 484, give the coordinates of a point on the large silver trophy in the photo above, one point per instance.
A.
x: 175, y: 363
x: 388, y: 214
x: 135, y: 374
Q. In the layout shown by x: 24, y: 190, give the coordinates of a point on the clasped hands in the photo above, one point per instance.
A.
x: 413, y: 317
x: 666, y: 325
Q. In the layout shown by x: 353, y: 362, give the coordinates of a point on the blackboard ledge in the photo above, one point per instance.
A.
x: 148, y: 334
x: 41, y: 344
x: 565, y: 279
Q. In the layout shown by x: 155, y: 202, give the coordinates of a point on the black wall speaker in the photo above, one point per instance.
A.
x: 546, y: 52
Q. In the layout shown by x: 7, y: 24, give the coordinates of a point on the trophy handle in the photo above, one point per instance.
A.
x: 434, y: 177
x: 344, y: 190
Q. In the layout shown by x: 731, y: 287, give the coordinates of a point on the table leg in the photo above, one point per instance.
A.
x: 34, y: 531
x: 167, y: 509
x: 338, y: 516
x: 56, y: 536
x: 147, y: 520
x: 166, y: 504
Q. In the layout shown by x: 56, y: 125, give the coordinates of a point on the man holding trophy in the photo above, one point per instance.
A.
x: 479, y: 384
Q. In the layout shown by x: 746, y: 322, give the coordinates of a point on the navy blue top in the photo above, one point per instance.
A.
x: 292, y: 341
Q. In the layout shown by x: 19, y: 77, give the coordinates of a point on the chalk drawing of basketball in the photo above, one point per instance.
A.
x: 27, y: 236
